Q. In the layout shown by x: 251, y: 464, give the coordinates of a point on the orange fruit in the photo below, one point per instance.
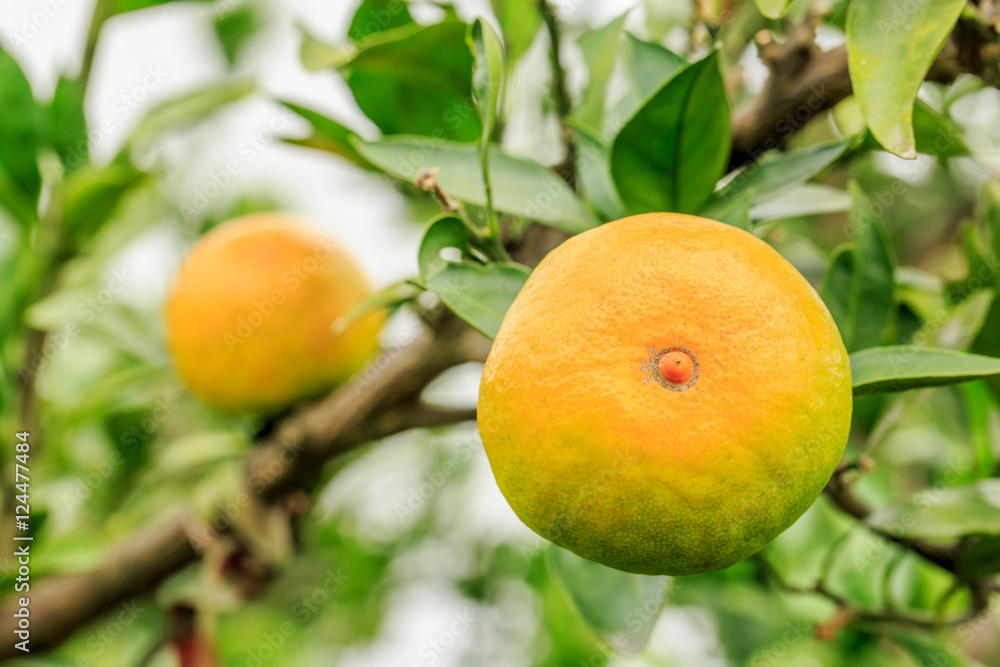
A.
x: 666, y: 395
x: 249, y: 321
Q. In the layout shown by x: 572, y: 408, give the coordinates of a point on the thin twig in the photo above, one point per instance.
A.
x: 567, y: 168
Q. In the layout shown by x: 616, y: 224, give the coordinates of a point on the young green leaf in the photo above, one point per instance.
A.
x: 858, y: 287
x: 479, y: 294
x: 594, y: 176
x: 779, y: 172
x: 445, y: 231
x: 66, y: 126
x: 648, y: 66
x: 520, y: 187
x: 233, y: 29
x: 185, y: 110
x: 618, y: 606
x: 328, y: 135
x: 19, y: 131
x: 600, y: 48
x: 890, y: 48
x: 880, y: 370
x: 669, y: 156
x: 487, y: 82
x: 520, y: 21
x: 416, y: 80
x: 808, y: 199
x: 773, y: 9
x: 374, y: 16
x: 91, y: 194
x: 733, y: 211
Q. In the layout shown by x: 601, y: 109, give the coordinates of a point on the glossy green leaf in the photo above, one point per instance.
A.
x: 619, y: 606
x: 901, y: 367
x: 445, y: 231
x: 66, y: 126
x: 520, y: 22
x: 945, y: 513
x: 934, y: 133
x: 328, y: 135
x: 648, y: 67
x: 187, y: 109
x: 520, y: 187
x: 669, y: 156
x: 600, y: 48
x: 374, y: 16
x: 778, y: 172
x: 479, y: 294
x: 773, y: 9
x: 858, y: 287
x: 19, y: 130
x: 416, y: 80
x: 890, y: 48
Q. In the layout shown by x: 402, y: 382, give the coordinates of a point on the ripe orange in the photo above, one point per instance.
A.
x: 666, y: 395
x: 249, y: 318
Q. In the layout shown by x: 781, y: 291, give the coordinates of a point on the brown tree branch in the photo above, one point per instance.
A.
x: 369, y: 409
x: 838, y: 489
x: 806, y: 81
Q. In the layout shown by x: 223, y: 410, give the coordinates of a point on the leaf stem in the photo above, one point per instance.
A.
x: 102, y: 12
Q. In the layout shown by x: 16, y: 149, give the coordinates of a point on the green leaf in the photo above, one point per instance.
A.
x: 980, y: 557
x: 945, y: 513
x: 487, y: 81
x: 880, y: 370
x: 858, y: 287
x: 734, y: 210
x: 445, y: 231
x: 66, y: 126
x: 773, y: 9
x: 520, y: 21
x: 328, y: 135
x: 234, y: 29
x: 91, y: 195
x: 928, y: 650
x: 620, y: 607
x: 669, y: 156
x: 388, y: 299
x: 890, y: 48
x: 594, y: 176
x: 416, y: 80
x: 777, y: 172
x: 19, y: 129
x: 520, y: 187
x: 479, y: 294
x: 648, y: 66
x: 487, y: 74
x: 600, y: 48
x: 188, y: 109
x: 808, y: 199
x: 934, y: 133
x: 374, y: 16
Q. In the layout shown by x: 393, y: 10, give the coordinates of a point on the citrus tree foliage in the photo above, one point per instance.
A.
x: 488, y: 127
